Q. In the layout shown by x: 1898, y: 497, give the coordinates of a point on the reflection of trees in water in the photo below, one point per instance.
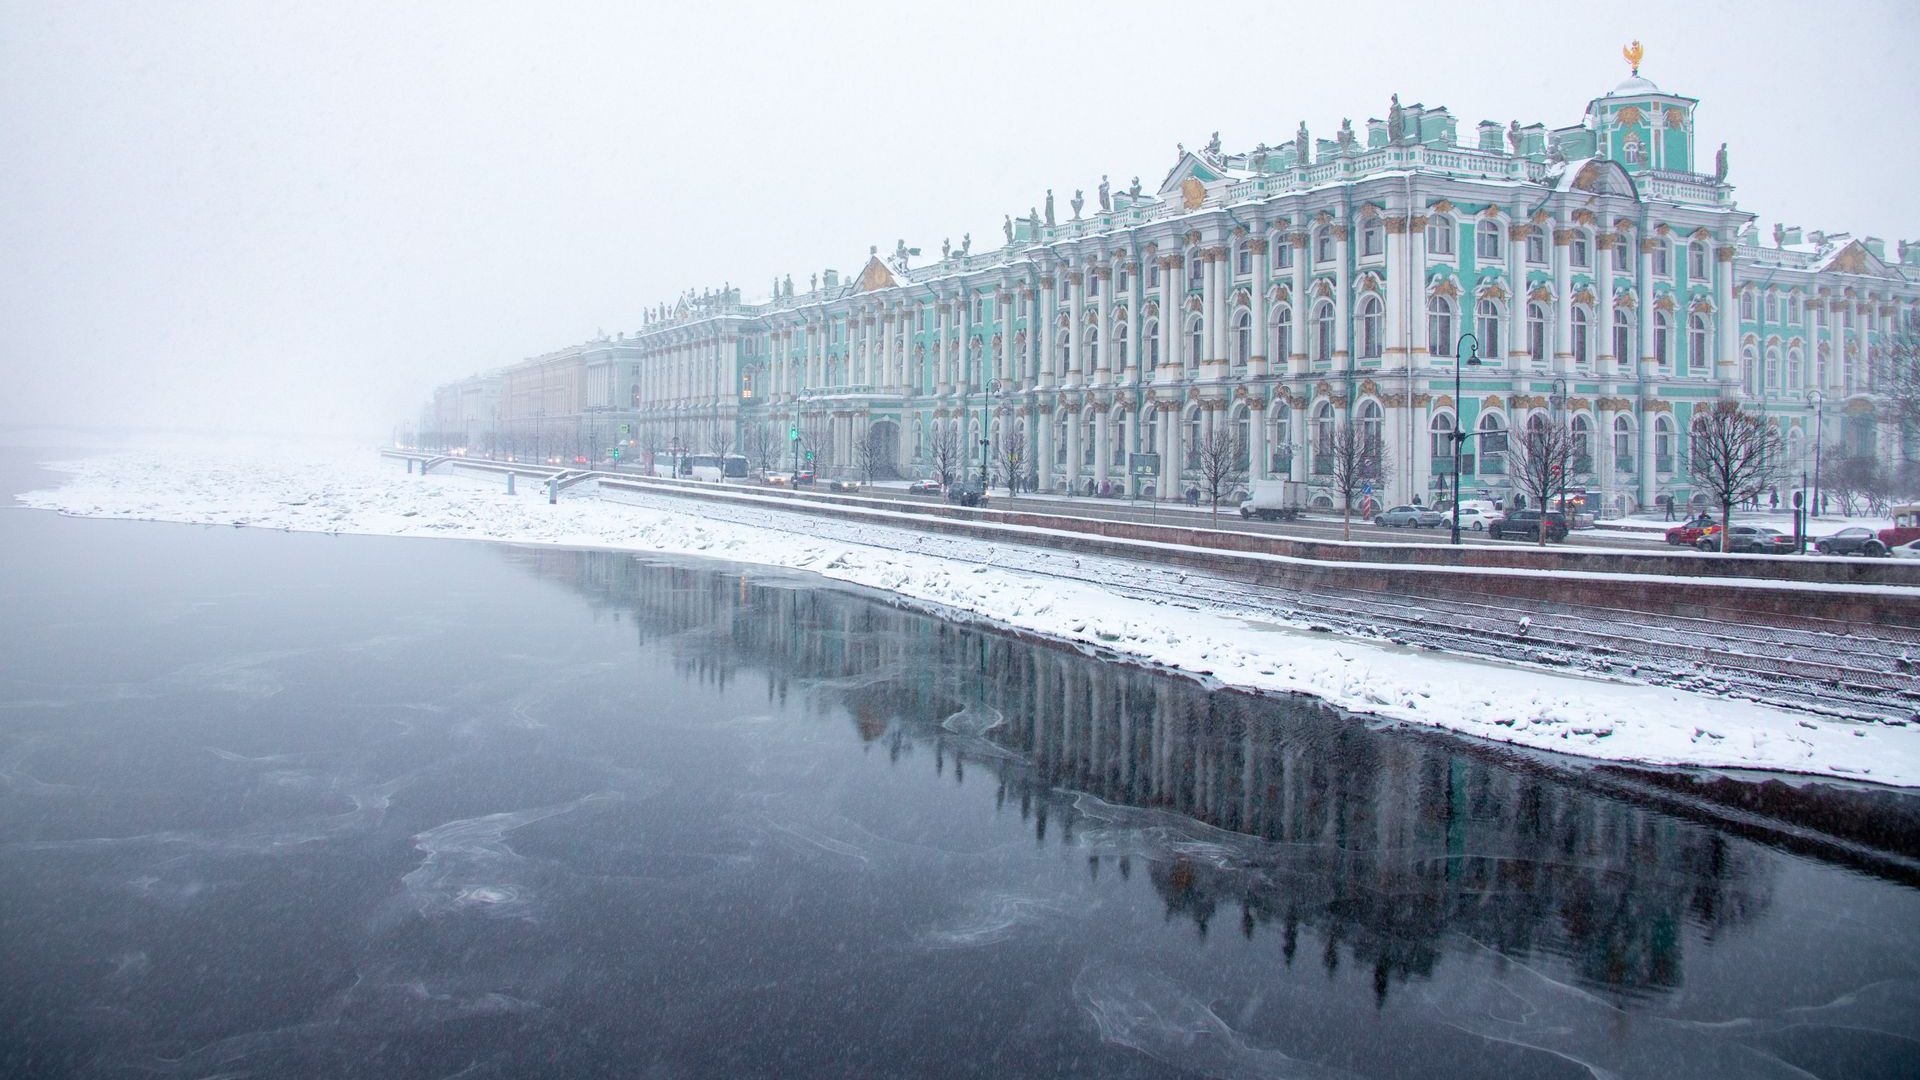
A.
x: 1383, y: 844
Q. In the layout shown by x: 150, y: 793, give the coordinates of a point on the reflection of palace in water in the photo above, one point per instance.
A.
x: 1380, y: 844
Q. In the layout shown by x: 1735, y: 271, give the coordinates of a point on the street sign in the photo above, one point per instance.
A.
x: 1366, y: 489
x: 1144, y: 464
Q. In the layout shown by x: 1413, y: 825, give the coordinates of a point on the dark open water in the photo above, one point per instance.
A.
x: 277, y: 804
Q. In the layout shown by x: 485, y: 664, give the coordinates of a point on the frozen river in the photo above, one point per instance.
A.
x: 281, y: 804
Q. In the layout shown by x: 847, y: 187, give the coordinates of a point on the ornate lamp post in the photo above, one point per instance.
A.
x: 1819, y: 422
x: 1465, y: 351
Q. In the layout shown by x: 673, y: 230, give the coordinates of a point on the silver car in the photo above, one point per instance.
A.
x: 1417, y: 516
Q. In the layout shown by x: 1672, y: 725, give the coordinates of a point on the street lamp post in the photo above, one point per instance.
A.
x: 1459, y: 435
x: 989, y: 387
x: 1560, y: 421
x: 1819, y: 423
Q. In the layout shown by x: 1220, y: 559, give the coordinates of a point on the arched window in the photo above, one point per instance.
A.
x: 1192, y: 439
x: 1440, y: 441
x: 1323, y: 245
x: 1153, y: 275
x: 1371, y: 423
x: 1662, y: 258
x: 1697, y: 344
x: 1323, y: 436
x: 1282, y: 252
x: 1746, y: 305
x: 1579, y: 251
x: 1697, y: 261
x: 1196, y: 342
x: 1773, y: 368
x: 1630, y: 150
x: 1440, y: 235
x: 1089, y: 438
x: 1064, y: 345
x: 1093, y: 348
x: 1120, y: 343
x: 1242, y: 337
x: 1060, y: 439
x: 1536, y: 244
x: 1537, y: 332
x: 1282, y: 345
x: 1280, y: 444
x: 1242, y: 433
x: 1151, y: 332
x: 1487, y: 321
x: 1663, y: 443
x: 1323, y: 331
x: 1749, y: 371
x: 1794, y: 368
x: 1662, y: 340
x: 1152, y: 434
x: 1487, y: 241
x: 1582, y: 443
x: 1582, y: 336
x: 1242, y: 260
x: 1623, y: 443
x: 1093, y: 284
x: 1493, y: 440
x: 1196, y: 269
x: 1622, y: 338
x: 1372, y: 238
x: 1439, y: 325
x: 1372, y: 327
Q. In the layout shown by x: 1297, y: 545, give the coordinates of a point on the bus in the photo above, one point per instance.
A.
x: 715, y: 467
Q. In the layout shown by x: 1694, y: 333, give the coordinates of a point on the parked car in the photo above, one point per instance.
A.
x: 1688, y: 533
x: 1472, y: 517
x: 924, y: 487
x: 968, y: 493
x: 1750, y: 540
x: 1409, y: 516
x: 1908, y: 550
x: 804, y: 476
x: 1906, y: 527
x: 1525, y: 525
x: 1854, y: 541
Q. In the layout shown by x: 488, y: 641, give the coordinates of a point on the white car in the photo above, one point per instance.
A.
x: 1908, y: 550
x: 1473, y: 518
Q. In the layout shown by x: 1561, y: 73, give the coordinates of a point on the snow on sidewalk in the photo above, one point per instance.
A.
x: 1598, y: 718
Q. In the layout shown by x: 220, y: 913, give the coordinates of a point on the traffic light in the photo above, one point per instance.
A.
x: 793, y: 434
x: 809, y: 457
x: 616, y: 453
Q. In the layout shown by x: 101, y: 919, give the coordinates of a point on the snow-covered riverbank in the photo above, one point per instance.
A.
x: 1616, y: 720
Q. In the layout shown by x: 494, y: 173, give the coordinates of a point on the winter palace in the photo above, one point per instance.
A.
x: 1605, y: 274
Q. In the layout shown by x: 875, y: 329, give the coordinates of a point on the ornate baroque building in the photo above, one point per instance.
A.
x: 1609, y: 283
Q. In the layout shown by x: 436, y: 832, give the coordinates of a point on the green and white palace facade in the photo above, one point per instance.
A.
x: 1608, y: 278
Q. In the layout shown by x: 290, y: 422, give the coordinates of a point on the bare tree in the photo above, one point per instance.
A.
x: 1537, y: 460
x: 946, y: 457
x: 1359, y: 459
x: 761, y: 445
x: 1896, y: 378
x: 1733, y: 455
x: 1011, y: 458
x: 1219, y: 457
x: 869, y: 450
x: 720, y: 438
x: 816, y: 437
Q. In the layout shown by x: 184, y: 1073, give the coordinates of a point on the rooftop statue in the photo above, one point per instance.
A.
x: 1079, y: 200
x: 1345, y: 135
x: 1006, y: 226
x: 1033, y: 218
x: 1396, y: 119
x: 1720, y: 164
x: 966, y: 243
x: 1213, y: 145
x: 1302, y: 146
x: 1106, y: 195
x: 946, y: 247
x: 1513, y: 136
x: 1134, y: 189
x: 1049, y: 207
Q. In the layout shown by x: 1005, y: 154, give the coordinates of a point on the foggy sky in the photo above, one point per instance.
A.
x: 270, y: 216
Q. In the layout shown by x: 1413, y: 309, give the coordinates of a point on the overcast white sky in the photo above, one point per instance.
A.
x: 274, y: 215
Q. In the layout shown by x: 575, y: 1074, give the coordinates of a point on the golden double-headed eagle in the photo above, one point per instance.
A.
x: 1633, y: 53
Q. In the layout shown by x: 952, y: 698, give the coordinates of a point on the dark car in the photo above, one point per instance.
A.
x: 1525, y: 525
x: 1750, y: 540
x: 843, y: 485
x: 804, y: 476
x: 1854, y: 541
x: 967, y: 493
x: 924, y: 487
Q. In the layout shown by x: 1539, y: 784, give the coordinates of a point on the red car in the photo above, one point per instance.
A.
x: 1690, y: 533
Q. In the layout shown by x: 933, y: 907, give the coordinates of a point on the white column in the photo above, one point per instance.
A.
x: 1004, y: 298
x: 1076, y: 344
x: 1517, y: 304
x: 1107, y: 366
x: 1170, y: 337
x: 1563, y: 301
x: 1043, y: 326
x: 1043, y: 447
x: 1342, y: 300
x: 1727, y: 318
x: 1256, y: 439
x: 1643, y: 314
x: 1302, y: 306
x: 1262, y: 267
x: 1393, y: 351
x: 1209, y: 308
x: 1600, y: 331
x: 1416, y: 292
